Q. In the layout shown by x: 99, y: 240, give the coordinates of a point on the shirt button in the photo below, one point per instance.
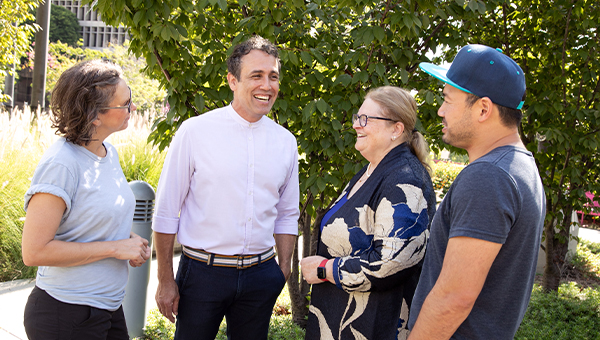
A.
x: 249, y: 219
x: 250, y: 193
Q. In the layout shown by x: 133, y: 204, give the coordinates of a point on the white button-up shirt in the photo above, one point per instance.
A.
x: 228, y: 185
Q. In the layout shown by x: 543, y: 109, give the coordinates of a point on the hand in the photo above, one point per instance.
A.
x: 287, y: 272
x: 167, y: 299
x: 309, y: 269
x: 135, y: 249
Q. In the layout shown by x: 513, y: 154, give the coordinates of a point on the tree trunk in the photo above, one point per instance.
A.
x: 557, y: 246
x: 297, y: 287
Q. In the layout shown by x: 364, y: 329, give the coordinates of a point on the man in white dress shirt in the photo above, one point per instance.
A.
x: 229, y: 191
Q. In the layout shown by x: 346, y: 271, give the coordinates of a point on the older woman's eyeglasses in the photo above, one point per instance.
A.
x: 128, y: 107
x: 363, y: 119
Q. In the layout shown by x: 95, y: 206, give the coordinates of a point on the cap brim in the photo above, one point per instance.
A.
x: 440, y: 73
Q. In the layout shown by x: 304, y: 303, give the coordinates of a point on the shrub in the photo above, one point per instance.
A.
x: 444, y: 174
x: 571, y: 314
x: 587, y: 259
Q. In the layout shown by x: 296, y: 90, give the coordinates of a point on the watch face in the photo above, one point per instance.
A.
x: 321, y: 274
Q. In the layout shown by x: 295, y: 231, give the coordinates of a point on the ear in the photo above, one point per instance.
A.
x: 486, y: 107
x: 96, y: 122
x: 398, y: 129
x: 232, y: 80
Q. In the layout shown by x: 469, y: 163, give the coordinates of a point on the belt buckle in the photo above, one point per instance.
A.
x: 240, y: 262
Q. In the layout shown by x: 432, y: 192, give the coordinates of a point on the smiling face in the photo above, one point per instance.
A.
x: 114, y: 120
x: 374, y: 140
x: 457, y: 118
x: 256, y: 91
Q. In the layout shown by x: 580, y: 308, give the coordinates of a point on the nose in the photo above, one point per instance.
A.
x: 441, y: 112
x: 133, y: 107
x: 265, y: 83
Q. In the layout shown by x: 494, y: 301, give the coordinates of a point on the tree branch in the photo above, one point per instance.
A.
x: 423, y: 48
x: 564, y: 48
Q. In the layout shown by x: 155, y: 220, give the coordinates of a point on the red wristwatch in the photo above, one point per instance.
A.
x: 321, y: 271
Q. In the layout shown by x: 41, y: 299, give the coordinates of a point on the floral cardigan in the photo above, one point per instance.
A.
x: 377, y: 240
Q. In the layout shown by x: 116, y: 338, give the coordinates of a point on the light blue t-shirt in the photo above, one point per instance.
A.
x: 100, y: 207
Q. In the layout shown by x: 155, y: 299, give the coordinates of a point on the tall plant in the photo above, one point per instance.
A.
x: 332, y: 52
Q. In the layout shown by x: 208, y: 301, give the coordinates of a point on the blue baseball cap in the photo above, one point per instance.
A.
x: 484, y: 72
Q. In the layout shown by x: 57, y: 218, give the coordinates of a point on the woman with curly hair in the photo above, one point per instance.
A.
x: 79, y: 212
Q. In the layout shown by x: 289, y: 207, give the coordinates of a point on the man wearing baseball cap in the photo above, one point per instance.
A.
x: 485, y: 237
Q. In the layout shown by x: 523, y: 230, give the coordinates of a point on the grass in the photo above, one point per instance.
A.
x: 281, y: 326
x: 23, y: 140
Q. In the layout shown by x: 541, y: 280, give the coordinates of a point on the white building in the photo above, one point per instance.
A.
x: 96, y: 34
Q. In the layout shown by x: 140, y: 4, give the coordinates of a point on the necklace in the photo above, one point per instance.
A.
x: 366, y: 173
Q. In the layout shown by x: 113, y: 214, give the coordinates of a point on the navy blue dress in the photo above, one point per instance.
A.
x: 378, y: 239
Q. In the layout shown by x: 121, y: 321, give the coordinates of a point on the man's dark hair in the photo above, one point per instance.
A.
x: 508, y: 116
x: 256, y: 42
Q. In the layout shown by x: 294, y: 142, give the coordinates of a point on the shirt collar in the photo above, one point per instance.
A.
x: 237, y: 118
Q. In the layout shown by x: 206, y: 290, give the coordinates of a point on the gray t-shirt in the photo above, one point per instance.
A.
x: 100, y: 207
x: 498, y: 198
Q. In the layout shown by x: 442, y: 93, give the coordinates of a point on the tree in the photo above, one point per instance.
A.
x: 332, y: 52
x: 64, y: 26
x: 557, y: 44
x: 14, y: 40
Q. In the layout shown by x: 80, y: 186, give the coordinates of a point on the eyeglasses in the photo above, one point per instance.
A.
x: 362, y: 119
x: 128, y: 107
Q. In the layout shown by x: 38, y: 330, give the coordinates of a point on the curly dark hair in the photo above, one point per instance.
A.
x: 78, y: 96
x: 256, y: 42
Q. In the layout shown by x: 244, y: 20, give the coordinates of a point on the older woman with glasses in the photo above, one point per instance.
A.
x: 373, y: 239
x: 79, y: 212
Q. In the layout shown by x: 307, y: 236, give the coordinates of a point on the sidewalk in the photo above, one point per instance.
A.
x: 13, y: 296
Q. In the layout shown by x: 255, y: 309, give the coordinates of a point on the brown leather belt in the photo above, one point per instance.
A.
x: 232, y: 261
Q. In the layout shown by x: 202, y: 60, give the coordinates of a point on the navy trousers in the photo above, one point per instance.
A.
x: 245, y: 297
x: 49, y: 319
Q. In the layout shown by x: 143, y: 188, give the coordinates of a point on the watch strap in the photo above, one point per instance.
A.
x: 322, y: 265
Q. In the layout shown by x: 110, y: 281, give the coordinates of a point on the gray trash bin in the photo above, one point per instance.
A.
x: 134, y: 305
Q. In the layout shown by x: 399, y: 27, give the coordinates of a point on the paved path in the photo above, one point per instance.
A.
x: 13, y: 295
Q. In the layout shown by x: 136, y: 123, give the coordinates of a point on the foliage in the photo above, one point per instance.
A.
x: 332, y: 52
x: 587, y: 259
x: 21, y: 147
x: 557, y: 43
x: 139, y: 159
x: 14, y: 40
x: 571, y: 313
x: 444, y: 174
x: 146, y: 92
x: 19, y: 154
x: 64, y: 26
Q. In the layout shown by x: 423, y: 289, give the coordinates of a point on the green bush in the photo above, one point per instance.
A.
x: 14, y: 182
x: 587, y: 259
x: 572, y: 314
x: 444, y: 174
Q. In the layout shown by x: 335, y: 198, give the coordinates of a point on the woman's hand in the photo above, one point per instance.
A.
x: 309, y: 269
x: 144, y: 251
